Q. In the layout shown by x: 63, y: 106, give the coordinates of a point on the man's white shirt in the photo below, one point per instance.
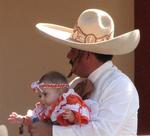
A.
x: 118, y: 103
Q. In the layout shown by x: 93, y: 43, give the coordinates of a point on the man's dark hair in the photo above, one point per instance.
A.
x: 54, y: 78
x: 103, y: 57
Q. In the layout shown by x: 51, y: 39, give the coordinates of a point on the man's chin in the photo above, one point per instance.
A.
x: 74, y: 71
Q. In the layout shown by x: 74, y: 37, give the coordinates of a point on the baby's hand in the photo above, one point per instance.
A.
x: 15, y: 118
x: 69, y: 115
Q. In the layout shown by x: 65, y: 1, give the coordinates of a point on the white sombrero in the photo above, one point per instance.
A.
x: 93, y: 32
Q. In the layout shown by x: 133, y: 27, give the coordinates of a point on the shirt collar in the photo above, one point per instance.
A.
x: 100, y: 70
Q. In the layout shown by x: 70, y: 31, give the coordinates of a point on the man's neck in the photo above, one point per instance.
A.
x: 94, y: 67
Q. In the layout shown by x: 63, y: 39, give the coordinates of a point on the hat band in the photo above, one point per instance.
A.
x: 80, y: 36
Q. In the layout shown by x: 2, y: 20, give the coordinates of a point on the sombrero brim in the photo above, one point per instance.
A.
x: 119, y: 45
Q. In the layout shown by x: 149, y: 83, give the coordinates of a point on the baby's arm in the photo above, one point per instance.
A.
x: 19, y: 119
x: 78, y: 109
x: 69, y: 115
x: 31, y: 117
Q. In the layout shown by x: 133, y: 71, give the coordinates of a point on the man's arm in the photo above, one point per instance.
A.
x: 118, y: 102
x: 114, y: 107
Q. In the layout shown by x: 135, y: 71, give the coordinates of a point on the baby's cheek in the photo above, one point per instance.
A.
x: 51, y: 98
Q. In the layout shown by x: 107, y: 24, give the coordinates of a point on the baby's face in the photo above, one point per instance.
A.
x: 48, y: 96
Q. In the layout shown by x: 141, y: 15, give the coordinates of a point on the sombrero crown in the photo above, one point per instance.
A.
x: 93, y: 32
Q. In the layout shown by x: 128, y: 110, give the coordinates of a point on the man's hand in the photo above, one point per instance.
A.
x: 84, y: 88
x: 40, y: 129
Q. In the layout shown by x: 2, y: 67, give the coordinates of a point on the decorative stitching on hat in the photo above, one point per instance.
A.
x: 82, y: 37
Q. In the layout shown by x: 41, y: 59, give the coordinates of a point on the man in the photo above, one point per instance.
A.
x: 92, y: 48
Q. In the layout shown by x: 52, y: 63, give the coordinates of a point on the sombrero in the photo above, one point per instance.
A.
x: 93, y: 32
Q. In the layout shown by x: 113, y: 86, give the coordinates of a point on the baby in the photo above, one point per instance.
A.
x: 58, y: 103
